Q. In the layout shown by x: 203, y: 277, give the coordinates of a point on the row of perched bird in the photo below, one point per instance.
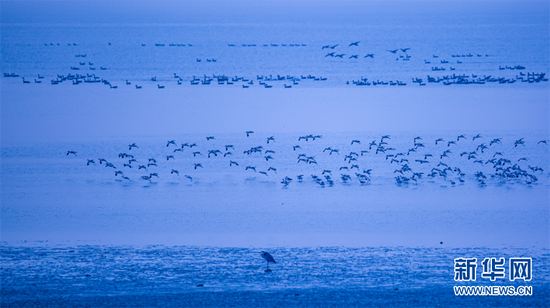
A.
x: 452, y: 161
x: 291, y: 81
x: 282, y: 80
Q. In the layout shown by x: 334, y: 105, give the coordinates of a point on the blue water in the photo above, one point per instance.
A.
x: 483, y: 40
x: 389, y: 241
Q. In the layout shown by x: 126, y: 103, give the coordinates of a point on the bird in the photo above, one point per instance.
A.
x: 71, y: 152
x: 268, y: 258
x: 90, y: 161
x: 175, y: 171
x: 520, y: 141
x: 147, y: 178
x: 249, y: 132
x: 354, y: 44
x: 392, y: 51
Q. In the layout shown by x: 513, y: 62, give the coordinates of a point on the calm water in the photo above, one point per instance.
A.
x: 100, y: 238
x: 482, y: 40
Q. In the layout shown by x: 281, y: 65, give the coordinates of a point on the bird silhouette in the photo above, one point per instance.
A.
x: 268, y: 258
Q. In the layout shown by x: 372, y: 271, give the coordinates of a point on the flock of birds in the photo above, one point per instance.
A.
x: 450, y: 161
x: 437, y: 66
x: 402, y: 55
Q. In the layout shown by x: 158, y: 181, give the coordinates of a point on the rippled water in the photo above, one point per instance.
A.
x: 88, y: 272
